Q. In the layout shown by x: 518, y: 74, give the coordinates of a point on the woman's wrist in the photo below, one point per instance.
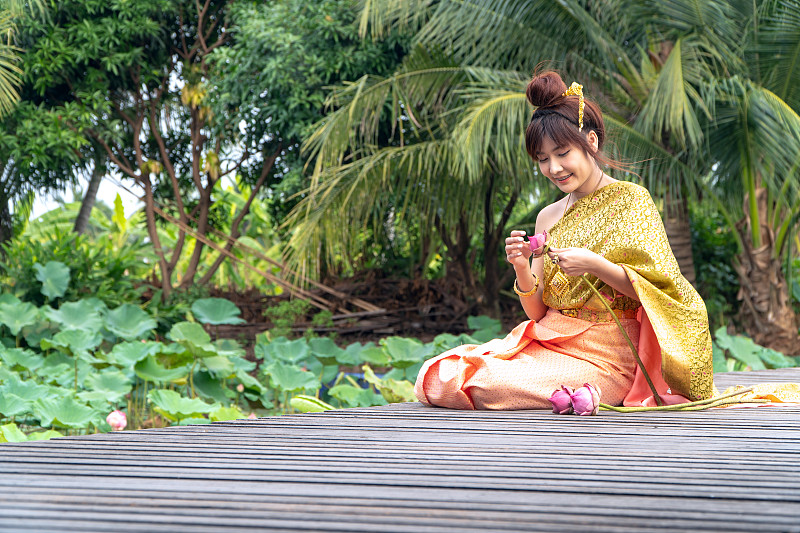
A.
x: 524, y: 292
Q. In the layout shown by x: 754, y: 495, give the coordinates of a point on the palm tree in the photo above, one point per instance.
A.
x: 672, y: 76
x: 9, y: 53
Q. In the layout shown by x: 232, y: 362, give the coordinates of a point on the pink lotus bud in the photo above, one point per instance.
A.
x: 117, y: 420
x: 240, y: 387
x: 537, y: 243
x: 252, y: 416
x: 562, y: 404
x: 586, y: 400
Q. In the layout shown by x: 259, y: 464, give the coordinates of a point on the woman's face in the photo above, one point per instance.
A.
x: 569, y: 167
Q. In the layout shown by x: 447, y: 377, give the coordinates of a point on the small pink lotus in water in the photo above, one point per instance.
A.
x: 537, y: 243
x: 117, y: 420
x: 252, y: 416
x: 240, y: 387
x: 586, y: 400
x: 561, y: 400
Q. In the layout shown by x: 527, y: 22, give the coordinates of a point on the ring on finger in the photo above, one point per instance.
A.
x: 554, y: 259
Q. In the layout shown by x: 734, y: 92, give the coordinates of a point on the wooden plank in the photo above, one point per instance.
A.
x: 407, y: 467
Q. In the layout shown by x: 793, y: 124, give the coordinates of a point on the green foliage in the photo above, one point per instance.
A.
x: 216, y: 311
x: 714, y: 250
x: 275, y: 74
x: 284, y: 315
x: 65, y: 266
x: 736, y: 352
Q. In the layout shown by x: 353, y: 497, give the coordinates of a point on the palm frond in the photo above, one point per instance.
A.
x: 778, y: 49
x: 490, y: 132
x: 755, y: 133
x: 671, y: 106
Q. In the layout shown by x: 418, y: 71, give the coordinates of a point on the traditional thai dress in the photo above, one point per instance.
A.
x: 577, y: 341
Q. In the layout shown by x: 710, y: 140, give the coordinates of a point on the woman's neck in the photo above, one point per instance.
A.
x: 592, y: 185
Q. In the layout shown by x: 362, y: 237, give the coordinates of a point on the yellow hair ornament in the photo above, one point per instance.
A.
x: 576, y: 89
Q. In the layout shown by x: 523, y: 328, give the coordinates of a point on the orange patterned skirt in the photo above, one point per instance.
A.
x: 522, y: 370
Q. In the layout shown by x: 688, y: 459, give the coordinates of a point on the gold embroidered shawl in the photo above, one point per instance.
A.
x: 621, y: 223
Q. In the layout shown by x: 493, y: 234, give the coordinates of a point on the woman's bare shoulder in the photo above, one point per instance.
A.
x: 550, y: 215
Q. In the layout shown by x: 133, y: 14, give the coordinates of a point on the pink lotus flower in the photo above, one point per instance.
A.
x: 117, y: 420
x: 252, y: 416
x: 240, y: 387
x: 561, y: 400
x: 586, y: 400
x: 537, y: 243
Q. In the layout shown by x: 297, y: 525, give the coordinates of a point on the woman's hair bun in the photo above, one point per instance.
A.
x: 545, y: 88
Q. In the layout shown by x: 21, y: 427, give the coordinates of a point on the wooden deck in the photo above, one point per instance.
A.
x: 405, y: 467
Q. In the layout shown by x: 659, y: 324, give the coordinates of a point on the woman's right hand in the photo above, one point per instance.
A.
x: 518, y: 251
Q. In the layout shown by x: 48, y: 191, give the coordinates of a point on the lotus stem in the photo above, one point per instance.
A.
x: 689, y: 406
x: 639, y: 362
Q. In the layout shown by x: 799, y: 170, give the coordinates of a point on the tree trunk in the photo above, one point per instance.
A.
x: 766, y: 312
x: 82, y: 220
x: 679, y: 234
x: 6, y: 222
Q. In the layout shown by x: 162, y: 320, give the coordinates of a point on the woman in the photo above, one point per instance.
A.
x: 611, y: 232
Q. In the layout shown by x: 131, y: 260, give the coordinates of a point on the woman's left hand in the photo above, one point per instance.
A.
x: 575, y: 261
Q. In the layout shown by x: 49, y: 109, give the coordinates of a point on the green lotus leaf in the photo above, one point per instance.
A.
x: 209, y: 387
x: 82, y: 314
x: 66, y: 377
x: 398, y: 391
x: 44, y: 435
x: 326, y: 350
x: 240, y: 363
x: 290, y: 378
x: 352, y: 396
x: 446, y: 341
x: 12, y: 405
x: 309, y: 404
x: 96, y: 398
x: 16, y: 316
x: 11, y: 433
x: 485, y: 328
x: 405, y: 352
x: 126, y: 354
x: 26, y: 390
x: 289, y: 351
x: 219, y: 366
x: 149, y: 369
x: 64, y: 412
x: 352, y: 355
x: 193, y: 337
x: 193, y: 421
x: 41, y: 329
x: 175, y: 407
x: 226, y: 413
x: 229, y: 348
x: 774, y: 359
x: 113, y: 383
x: 21, y: 358
x: 129, y: 322
x: 374, y: 355
x: 741, y: 348
x: 54, y: 276
x: 78, y: 342
x: 8, y: 298
x: 7, y: 374
x: 250, y: 382
x: 216, y: 311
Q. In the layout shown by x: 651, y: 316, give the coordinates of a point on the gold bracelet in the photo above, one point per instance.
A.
x: 530, y: 292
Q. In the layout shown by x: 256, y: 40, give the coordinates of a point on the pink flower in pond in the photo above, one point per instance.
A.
x: 561, y: 400
x: 240, y: 387
x: 252, y: 416
x: 586, y: 400
x: 117, y: 420
x: 537, y: 243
